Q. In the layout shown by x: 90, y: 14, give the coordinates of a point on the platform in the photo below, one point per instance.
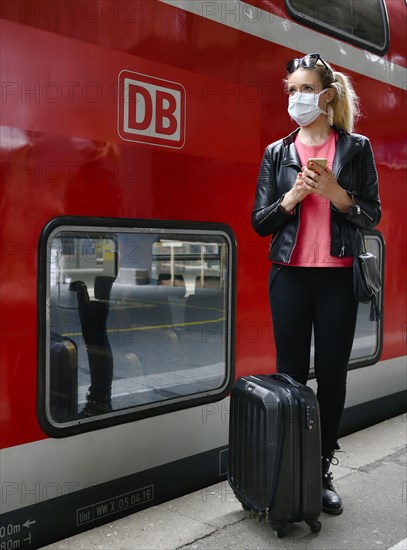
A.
x: 371, y: 478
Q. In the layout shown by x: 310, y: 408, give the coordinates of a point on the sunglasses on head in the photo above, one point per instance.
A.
x: 308, y: 61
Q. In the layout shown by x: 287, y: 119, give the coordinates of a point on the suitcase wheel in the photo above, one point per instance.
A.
x: 280, y: 531
x: 315, y: 526
x: 244, y: 505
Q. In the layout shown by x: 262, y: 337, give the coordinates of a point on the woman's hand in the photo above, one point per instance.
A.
x: 322, y: 182
x: 296, y: 194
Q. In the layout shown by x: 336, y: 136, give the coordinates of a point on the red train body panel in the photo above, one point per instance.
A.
x: 65, y: 150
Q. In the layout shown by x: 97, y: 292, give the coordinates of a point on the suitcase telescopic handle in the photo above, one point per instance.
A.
x: 286, y: 378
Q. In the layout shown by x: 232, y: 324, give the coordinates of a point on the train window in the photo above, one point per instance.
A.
x: 137, y: 320
x: 368, y: 336
x: 360, y: 22
x: 367, y: 345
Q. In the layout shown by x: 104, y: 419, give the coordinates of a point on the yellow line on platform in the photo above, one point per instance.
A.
x: 153, y: 327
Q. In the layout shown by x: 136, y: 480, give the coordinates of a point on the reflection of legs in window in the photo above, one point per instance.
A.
x: 63, y: 355
x: 93, y: 316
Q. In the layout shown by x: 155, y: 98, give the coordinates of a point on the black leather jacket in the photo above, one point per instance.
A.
x: 355, y: 170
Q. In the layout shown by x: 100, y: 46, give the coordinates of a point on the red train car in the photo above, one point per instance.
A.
x: 133, y: 289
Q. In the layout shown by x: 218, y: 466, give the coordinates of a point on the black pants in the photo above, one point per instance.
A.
x: 303, y: 299
x: 93, y: 315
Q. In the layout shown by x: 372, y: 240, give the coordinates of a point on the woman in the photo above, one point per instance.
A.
x: 311, y: 211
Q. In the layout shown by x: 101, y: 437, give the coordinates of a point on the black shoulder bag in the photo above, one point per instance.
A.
x: 366, y: 277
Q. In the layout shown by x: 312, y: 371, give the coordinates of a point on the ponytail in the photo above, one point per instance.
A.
x: 344, y: 108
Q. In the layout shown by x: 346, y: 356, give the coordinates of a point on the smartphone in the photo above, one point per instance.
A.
x: 320, y: 162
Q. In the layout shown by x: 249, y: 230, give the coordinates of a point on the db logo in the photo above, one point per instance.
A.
x: 151, y: 110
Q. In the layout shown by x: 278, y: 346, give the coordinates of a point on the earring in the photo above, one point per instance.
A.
x: 330, y: 115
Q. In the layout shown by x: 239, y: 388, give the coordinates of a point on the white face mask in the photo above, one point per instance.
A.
x: 304, y: 108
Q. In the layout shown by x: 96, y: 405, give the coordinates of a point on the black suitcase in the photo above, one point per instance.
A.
x: 275, y: 450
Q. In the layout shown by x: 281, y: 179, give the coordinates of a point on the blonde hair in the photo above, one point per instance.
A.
x: 345, y: 104
x: 343, y: 110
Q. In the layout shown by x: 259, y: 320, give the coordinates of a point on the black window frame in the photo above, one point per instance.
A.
x: 374, y: 358
x: 56, y: 430
x: 342, y: 35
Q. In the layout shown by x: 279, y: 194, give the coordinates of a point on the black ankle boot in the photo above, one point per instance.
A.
x: 95, y: 407
x: 331, y: 501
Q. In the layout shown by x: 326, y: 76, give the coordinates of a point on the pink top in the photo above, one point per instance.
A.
x: 313, y: 243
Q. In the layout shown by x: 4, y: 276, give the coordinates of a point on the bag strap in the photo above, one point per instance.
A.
x: 375, y: 313
x: 352, y: 236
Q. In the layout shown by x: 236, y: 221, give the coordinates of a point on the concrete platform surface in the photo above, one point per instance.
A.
x: 371, y: 477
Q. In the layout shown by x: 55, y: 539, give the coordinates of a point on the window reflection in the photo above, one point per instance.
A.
x: 136, y: 320
x: 362, y: 21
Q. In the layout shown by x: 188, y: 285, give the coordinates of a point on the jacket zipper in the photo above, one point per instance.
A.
x: 288, y: 260
x: 342, y: 251
x: 273, y: 239
x: 359, y: 210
